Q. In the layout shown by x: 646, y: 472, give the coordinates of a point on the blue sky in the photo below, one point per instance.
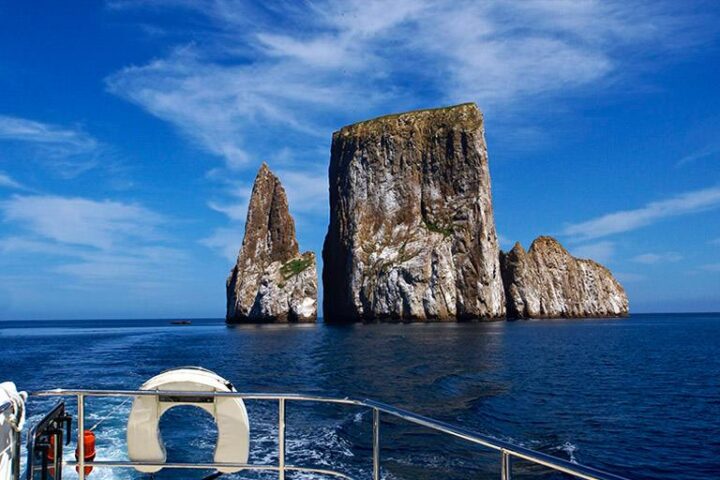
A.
x: 130, y: 133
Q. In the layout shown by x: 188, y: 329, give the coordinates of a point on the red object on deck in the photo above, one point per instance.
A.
x: 89, y: 443
x: 51, y: 450
x: 51, y: 457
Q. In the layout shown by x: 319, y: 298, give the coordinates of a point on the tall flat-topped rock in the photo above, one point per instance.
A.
x: 412, y: 234
x: 548, y: 282
x: 271, y: 281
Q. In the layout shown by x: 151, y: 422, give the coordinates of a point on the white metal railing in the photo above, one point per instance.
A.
x: 508, y: 451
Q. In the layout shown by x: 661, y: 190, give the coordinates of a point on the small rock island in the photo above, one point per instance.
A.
x: 271, y: 281
x: 548, y: 282
x: 412, y: 234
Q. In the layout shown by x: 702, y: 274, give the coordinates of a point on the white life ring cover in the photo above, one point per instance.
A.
x: 144, y: 441
x: 10, y: 419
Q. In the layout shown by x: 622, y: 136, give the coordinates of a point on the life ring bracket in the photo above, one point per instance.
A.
x: 186, y: 399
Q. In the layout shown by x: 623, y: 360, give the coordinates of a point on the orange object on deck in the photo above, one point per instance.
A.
x: 51, y: 450
x: 51, y: 457
x: 89, y: 444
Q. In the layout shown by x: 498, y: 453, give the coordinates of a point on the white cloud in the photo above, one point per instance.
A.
x: 6, y: 181
x: 145, y: 262
x: 70, y: 151
x: 15, y: 128
x: 257, y: 78
x: 236, y: 208
x: 249, y: 69
x: 715, y: 241
x: 600, y: 251
x: 626, y: 220
x: 226, y: 241
x: 653, y: 258
x: 319, y: 52
x: 90, y: 240
x: 79, y: 221
x: 708, y: 151
x: 219, y: 107
x: 20, y: 244
x: 711, y: 267
x: 307, y: 191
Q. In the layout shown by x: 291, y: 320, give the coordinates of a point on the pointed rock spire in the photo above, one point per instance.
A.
x: 271, y: 281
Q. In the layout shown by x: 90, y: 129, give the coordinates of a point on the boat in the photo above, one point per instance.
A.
x: 65, y: 426
x: 181, y: 322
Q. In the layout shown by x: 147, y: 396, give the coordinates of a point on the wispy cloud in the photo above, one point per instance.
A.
x: 79, y: 221
x: 600, y: 251
x: 708, y: 151
x: 248, y: 82
x: 711, y: 267
x: 6, y: 181
x: 250, y: 68
x: 220, y: 107
x: 144, y: 263
x: 226, y: 241
x: 307, y: 190
x: 89, y: 239
x: 627, y: 220
x: 16, y: 244
x: 72, y: 140
x: 71, y: 151
x: 236, y: 209
x: 653, y: 258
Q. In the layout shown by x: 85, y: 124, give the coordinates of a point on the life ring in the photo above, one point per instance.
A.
x: 144, y: 441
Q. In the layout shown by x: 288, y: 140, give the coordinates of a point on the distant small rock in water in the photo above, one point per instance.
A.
x: 412, y: 234
x: 271, y: 281
x: 548, y: 282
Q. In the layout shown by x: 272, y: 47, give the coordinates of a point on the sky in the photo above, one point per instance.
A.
x: 131, y: 131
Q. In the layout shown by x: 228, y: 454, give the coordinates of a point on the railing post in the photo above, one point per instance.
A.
x: 281, y: 439
x: 81, y: 436
x: 16, y: 455
x: 376, y: 444
x: 506, y: 466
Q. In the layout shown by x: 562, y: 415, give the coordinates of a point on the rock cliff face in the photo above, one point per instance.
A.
x: 412, y: 234
x: 548, y: 282
x: 271, y: 281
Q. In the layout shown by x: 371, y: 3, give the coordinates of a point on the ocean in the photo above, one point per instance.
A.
x: 638, y: 396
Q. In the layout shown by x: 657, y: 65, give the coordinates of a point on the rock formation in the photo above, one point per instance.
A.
x: 412, y: 234
x: 271, y: 281
x: 548, y: 282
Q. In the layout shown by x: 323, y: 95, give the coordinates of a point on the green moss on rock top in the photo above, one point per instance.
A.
x: 464, y: 115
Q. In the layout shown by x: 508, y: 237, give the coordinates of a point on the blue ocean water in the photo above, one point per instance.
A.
x: 638, y: 396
